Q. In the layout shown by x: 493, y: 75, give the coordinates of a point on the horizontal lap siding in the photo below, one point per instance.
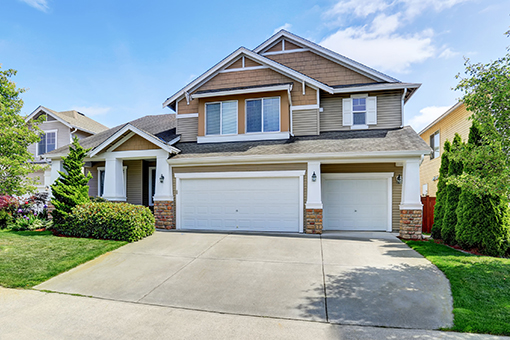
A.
x: 305, y: 122
x: 183, y: 107
x: 188, y: 129
x: 389, y: 111
x: 63, y: 134
x: 374, y: 167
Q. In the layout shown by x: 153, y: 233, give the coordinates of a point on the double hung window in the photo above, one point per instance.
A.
x: 263, y: 115
x: 48, y: 142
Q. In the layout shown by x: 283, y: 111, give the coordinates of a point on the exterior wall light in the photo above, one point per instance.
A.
x: 162, y: 178
x: 399, y: 179
x: 314, y: 177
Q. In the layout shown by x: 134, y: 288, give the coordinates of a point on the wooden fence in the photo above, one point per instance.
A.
x: 428, y: 213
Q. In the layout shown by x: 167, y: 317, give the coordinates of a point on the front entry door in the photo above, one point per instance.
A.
x: 152, y: 184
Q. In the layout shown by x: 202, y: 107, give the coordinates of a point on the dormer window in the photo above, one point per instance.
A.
x: 48, y: 142
x: 221, y: 118
x: 263, y: 115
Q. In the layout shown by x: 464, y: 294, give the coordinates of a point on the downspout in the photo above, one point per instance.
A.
x: 402, y: 110
x: 71, y: 135
x: 290, y: 109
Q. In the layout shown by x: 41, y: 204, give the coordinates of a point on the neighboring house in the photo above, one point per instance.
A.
x: 59, y: 129
x: 454, y: 120
x: 288, y: 137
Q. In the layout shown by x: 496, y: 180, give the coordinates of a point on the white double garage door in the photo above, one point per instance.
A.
x: 273, y: 201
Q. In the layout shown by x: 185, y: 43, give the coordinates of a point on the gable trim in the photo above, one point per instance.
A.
x: 287, y: 51
x: 134, y: 130
x: 243, y: 91
x: 277, y: 67
x: 326, y: 53
x: 42, y: 109
x: 250, y: 68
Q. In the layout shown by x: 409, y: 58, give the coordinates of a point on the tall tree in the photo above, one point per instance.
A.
x: 452, y: 194
x: 16, y: 162
x: 441, y: 192
x: 71, y: 188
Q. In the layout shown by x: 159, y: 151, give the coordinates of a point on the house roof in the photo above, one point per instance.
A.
x: 358, y: 142
x: 159, y: 126
x: 71, y: 118
x: 438, y: 119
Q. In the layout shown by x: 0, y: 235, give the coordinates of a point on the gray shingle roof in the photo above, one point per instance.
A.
x: 401, y: 139
x: 161, y: 126
x: 79, y: 120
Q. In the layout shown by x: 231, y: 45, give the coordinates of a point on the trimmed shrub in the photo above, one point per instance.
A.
x: 110, y: 221
x: 441, y: 193
x: 452, y: 197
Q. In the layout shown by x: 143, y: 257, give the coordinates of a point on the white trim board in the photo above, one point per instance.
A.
x: 243, y: 91
x: 243, y: 137
x: 186, y: 115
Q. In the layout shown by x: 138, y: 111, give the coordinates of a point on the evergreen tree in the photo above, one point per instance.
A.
x: 482, y: 218
x: 71, y: 188
x: 452, y: 195
x: 441, y: 193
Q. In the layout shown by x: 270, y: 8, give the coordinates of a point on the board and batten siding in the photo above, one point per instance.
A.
x: 305, y: 122
x: 389, y: 111
x: 188, y: 129
x: 396, y: 189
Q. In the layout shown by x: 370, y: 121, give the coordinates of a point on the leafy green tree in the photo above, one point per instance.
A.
x: 441, y: 192
x: 16, y: 162
x: 71, y: 188
x: 482, y: 220
x: 452, y: 194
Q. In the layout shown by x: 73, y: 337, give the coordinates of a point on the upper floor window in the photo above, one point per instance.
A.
x: 434, y: 145
x: 48, y: 142
x: 359, y: 111
x: 221, y: 118
x: 263, y: 115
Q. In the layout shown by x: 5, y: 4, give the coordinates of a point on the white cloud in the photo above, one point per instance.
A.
x: 360, y: 8
x: 41, y: 5
x: 426, y: 116
x: 92, y: 110
x: 448, y: 53
x: 286, y: 27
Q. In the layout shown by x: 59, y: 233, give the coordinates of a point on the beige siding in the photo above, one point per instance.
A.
x: 374, y: 167
x: 134, y: 181
x: 389, y: 111
x: 183, y: 107
x: 94, y: 181
x: 456, y: 121
x: 136, y: 143
x: 63, y: 134
x: 188, y: 129
x: 39, y: 175
x: 236, y: 64
x: 320, y: 68
x: 290, y: 46
x: 82, y: 134
x: 276, y: 47
x: 305, y: 122
x: 250, y: 63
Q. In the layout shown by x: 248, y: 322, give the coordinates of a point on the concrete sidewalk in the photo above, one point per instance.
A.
x: 30, y: 314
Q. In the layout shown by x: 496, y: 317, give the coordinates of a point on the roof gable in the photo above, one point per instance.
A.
x: 71, y: 119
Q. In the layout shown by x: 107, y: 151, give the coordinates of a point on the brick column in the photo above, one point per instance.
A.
x: 164, y: 213
x: 49, y: 209
x: 410, y: 224
x: 313, y: 221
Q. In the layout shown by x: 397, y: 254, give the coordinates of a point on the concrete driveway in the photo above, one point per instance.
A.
x: 346, y: 278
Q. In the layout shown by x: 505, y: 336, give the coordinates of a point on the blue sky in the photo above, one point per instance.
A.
x: 119, y: 60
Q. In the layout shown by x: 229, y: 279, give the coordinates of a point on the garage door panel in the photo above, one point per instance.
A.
x: 355, y: 204
x: 266, y: 204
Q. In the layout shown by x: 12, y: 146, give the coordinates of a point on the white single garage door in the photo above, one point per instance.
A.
x: 356, y: 203
x: 249, y: 204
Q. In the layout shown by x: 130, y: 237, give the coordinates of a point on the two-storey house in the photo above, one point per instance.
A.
x: 59, y: 129
x: 287, y: 137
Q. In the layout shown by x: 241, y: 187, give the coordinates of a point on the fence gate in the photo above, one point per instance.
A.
x: 428, y: 213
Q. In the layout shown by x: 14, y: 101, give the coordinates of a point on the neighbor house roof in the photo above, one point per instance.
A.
x: 159, y: 126
x: 358, y: 142
x: 71, y: 118
x: 438, y: 119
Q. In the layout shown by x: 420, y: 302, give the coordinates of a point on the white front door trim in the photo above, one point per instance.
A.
x: 244, y: 174
x: 369, y: 175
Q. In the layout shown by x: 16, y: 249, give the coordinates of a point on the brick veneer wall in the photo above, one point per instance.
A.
x: 164, y: 212
x: 410, y: 224
x: 313, y: 221
x: 50, y: 209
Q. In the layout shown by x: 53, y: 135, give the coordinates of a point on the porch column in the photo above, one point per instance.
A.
x: 56, y: 166
x: 410, y: 206
x: 163, y: 197
x: 114, y: 180
x: 313, y: 224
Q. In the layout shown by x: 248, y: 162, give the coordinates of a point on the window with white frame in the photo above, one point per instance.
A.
x: 434, y: 145
x: 101, y: 172
x: 359, y: 111
x: 221, y: 118
x: 263, y: 115
x: 48, y: 142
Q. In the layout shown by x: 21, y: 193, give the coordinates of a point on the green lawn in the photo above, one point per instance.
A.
x: 480, y: 287
x: 28, y: 258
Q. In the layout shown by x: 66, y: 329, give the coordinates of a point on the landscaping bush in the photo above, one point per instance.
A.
x: 452, y: 196
x: 441, y: 193
x: 111, y: 221
x: 5, y: 219
x: 28, y: 222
